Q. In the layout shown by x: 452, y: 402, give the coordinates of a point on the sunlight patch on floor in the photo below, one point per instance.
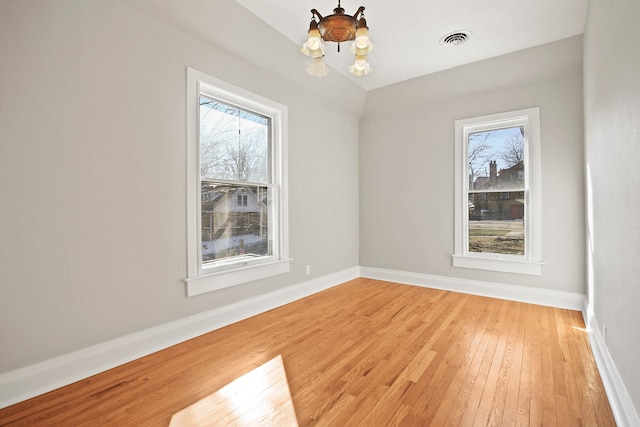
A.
x: 261, y: 397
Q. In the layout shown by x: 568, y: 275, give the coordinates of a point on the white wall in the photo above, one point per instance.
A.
x: 93, y: 167
x: 612, y: 134
x: 407, y: 163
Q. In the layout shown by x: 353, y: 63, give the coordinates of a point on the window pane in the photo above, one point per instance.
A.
x: 496, y: 222
x: 235, y: 221
x: 234, y: 143
x: 496, y: 159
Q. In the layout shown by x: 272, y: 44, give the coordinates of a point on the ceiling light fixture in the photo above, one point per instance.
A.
x: 338, y: 28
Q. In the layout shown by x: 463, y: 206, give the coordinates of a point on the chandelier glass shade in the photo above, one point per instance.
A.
x: 318, y: 68
x: 314, y: 47
x: 361, y: 67
x: 338, y: 28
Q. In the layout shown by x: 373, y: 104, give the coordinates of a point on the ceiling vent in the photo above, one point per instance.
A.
x: 455, y: 39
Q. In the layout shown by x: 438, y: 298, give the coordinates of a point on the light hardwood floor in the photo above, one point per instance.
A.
x: 365, y: 353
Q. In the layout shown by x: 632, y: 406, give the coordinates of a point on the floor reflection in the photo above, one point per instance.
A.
x: 261, y: 397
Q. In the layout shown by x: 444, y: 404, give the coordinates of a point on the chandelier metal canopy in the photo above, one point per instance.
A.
x: 338, y: 28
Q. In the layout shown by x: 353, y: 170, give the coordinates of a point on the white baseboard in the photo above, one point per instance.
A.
x: 621, y: 404
x: 31, y: 381
x: 546, y: 297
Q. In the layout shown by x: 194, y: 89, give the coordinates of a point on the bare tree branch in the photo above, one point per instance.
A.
x: 479, y: 154
x: 230, y: 148
x: 513, y: 151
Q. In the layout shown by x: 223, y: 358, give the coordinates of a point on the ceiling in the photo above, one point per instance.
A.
x: 406, y: 33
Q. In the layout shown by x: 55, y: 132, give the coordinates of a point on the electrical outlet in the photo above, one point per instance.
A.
x: 308, y: 269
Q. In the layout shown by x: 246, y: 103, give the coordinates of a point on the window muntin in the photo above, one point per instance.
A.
x: 498, y: 192
x: 237, y: 216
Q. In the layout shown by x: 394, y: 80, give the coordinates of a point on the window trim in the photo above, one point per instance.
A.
x: 530, y: 263
x: 202, y: 279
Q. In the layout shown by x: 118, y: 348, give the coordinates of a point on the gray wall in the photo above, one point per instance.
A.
x: 612, y: 134
x: 93, y: 168
x: 407, y: 163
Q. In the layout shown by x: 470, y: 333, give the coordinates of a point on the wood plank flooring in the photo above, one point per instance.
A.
x: 365, y: 353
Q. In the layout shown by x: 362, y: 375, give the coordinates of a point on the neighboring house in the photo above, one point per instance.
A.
x: 233, y: 219
x: 491, y: 205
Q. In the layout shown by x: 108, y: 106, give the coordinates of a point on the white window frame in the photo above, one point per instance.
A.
x: 206, y: 278
x: 531, y: 262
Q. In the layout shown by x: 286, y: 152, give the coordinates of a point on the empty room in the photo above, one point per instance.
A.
x: 238, y: 212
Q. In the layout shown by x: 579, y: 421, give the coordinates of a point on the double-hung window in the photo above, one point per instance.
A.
x: 237, y: 205
x: 497, y: 209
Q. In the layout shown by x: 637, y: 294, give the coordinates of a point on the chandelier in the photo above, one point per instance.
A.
x: 338, y: 28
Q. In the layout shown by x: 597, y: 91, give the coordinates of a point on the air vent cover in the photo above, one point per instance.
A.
x: 455, y: 39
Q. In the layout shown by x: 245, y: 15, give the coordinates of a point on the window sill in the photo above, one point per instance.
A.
x: 533, y: 268
x: 225, y: 279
